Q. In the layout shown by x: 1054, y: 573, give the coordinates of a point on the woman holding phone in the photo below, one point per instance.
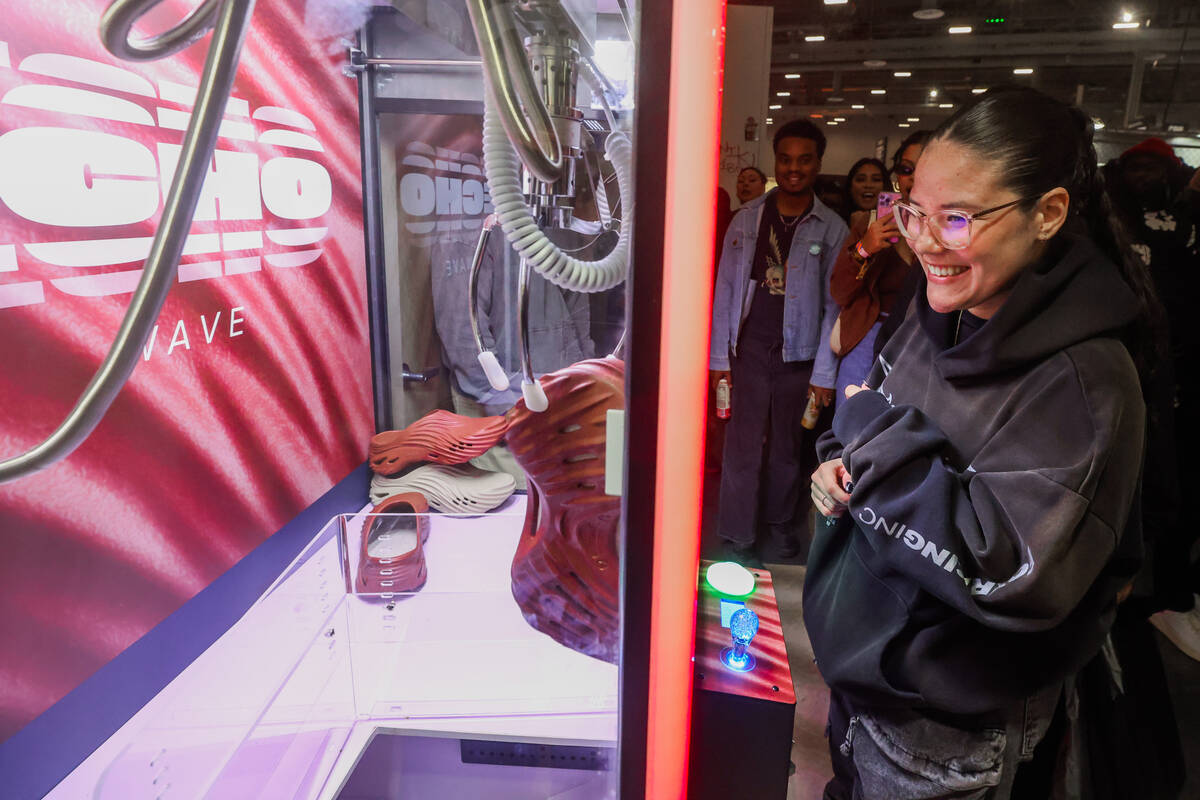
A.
x: 983, y: 495
x: 871, y: 271
x: 864, y: 182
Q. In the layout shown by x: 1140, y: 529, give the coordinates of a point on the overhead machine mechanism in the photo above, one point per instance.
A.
x: 534, y: 153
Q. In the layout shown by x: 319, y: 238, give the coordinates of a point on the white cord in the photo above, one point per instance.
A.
x: 503, y: 173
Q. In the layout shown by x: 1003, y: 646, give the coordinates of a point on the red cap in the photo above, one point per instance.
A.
x: 1152, y: 147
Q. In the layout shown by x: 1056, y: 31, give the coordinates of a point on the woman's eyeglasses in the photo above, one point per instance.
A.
x: 951, y: 229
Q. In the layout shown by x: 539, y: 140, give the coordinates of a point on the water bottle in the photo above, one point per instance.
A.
x: 723, y: 410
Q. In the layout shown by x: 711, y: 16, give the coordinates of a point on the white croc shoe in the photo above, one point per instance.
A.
x: 458, y: 489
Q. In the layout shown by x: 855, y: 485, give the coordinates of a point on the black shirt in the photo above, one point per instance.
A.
x: 769, y: 272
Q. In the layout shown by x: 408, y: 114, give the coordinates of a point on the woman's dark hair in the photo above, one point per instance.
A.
x: 801, y: 129
x: 916, y: 137
x: 1042, y: 143
x: 848, y: 198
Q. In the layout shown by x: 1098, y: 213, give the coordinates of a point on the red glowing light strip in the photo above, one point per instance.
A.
x: 697, y: 52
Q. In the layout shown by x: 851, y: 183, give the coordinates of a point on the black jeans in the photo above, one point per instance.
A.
x: 768, y: 400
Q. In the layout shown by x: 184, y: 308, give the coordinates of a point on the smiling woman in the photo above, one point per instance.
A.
x: 991, y: 478
x: 864, y: 182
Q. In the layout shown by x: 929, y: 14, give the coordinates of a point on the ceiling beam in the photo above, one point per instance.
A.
x: 849, y: 55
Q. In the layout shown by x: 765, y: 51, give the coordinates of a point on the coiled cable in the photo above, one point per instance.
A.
x: 520, y: 227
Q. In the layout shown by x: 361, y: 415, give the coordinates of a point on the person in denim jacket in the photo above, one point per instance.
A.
x: 772, y: 313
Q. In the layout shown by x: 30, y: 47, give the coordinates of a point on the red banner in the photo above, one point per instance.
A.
x: 253, y: 395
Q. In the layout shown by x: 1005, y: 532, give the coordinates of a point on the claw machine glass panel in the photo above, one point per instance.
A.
x: 500, y: 601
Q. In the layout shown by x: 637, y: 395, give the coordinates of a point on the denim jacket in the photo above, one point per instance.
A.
x: 809, y: 309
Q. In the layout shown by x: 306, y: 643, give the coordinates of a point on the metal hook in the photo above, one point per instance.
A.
x: 531, y: 390
x: 119, y: 18
x: 231, y: 21
x: 495, y: 373
x: 510, y: 85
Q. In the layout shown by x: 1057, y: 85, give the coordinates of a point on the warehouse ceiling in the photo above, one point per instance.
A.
x: 898, y: 58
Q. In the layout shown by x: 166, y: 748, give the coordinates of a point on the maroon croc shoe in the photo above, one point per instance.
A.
x: 392, y: 555
x: 566, y: 568
x: 441, y: 437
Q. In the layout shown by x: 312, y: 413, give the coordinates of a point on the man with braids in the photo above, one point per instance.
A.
x: 983, y: 489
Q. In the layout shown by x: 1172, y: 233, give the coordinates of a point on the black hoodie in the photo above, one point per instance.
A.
x: 994, y: 498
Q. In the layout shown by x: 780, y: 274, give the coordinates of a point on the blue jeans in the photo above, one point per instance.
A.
x: 904, y: 754
x: 856, y: 365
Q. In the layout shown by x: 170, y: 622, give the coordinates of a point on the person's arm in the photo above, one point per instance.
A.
x: 718, y: 349
x: 850, y: 268
x: 1018, y: 537
x: 824, y: 374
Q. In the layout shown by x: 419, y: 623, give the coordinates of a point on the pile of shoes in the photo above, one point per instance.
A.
x: 429, y: 457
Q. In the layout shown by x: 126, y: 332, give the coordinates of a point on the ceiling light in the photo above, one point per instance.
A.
x: 933, y: 92
x: 979, y: 90
x: 839, y: 119
x: 817, y: 116
x: 879, y: 91
x: 945, y: 105
x: 791, y: 76
x: 902, y: 74
x: 904, y: 125
x: 995, y: 20
x: 817, y: 38
x: 875, y: 62
x: 770, y: 121
x: 774, y: 107
x: 783, y: 94
x: 831, y: 122
x: 1023, y: 71
x: 1097, y: 123
x: 929, y: 10
x: 836, y: 2
x: 1126, y: 16
x: 1121, y: 26
x: 959, y: 29
x: 858, y: 107
x: 834, y: 98
x: 914, y: 119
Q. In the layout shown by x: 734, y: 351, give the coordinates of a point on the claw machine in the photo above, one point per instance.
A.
x: 352, y: 394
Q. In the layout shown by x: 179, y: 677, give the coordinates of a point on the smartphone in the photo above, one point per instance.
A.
x: 883, y: 208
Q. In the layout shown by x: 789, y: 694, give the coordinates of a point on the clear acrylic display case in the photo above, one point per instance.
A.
x: 291, y: 702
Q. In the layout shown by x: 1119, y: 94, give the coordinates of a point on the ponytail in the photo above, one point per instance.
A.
x: 1147, y: 341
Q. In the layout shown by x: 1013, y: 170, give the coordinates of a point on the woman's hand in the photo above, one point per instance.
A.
x: 829, y: 484
x: 878, y: 234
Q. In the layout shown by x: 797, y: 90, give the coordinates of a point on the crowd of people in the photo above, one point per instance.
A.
x: 990, y: 507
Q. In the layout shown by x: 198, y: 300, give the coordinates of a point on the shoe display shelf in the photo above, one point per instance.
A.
x: 325, y: 690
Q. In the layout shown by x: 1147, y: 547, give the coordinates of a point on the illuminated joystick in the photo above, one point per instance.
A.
x: 743, y: 625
